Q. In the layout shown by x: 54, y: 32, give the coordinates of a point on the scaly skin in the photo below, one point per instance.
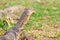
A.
x: 17, y: 30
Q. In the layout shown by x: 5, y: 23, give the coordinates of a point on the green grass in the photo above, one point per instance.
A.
x: 47, y: 13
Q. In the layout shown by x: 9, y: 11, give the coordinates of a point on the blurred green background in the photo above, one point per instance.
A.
x: 46, y: 19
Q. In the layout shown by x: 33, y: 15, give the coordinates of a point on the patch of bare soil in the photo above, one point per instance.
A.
x: 47, y: 33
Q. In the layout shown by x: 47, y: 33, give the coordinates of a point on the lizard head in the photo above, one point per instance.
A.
x: 29, y: 12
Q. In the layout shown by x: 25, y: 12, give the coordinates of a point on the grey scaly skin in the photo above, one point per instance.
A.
x: 17, y: 30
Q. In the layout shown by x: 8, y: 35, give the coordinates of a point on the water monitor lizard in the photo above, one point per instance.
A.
x: 17, y: 30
